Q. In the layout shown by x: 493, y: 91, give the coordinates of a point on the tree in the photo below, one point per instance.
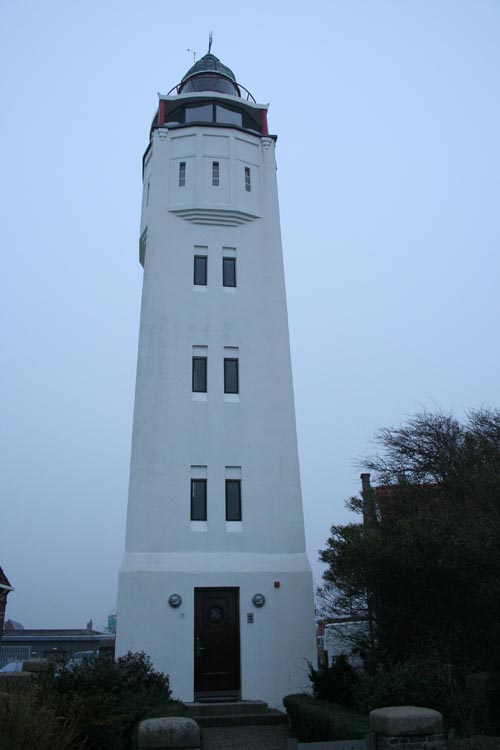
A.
x: 424, y: 568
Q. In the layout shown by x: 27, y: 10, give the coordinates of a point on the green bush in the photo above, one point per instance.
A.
x: 404, y: 684
x: 334, y: 683
x: 479, y: 742
x: 108, y: 698
x: 30, y: 719
x: 314, y: 720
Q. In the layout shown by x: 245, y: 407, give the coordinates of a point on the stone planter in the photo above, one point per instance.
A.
x: 169, y: 733
x: 407, y: 728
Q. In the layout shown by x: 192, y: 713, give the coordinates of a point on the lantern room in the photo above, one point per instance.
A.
x: 210, y: 95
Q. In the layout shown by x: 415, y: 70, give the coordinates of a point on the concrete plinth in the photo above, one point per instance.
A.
x: 407, y: 728
x: 169, y: 733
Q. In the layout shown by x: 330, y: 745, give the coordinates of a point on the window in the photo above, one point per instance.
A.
x: 147, y: 195
x: 228, y: 271
x: 210, y: 81
x: 143, y: 241
x: 198, y: 499
x: 182, y: 174
x: 215, y: 173
x: 201, y: 113
x: 233, y: 500
x: 248, y: 184
x: 231, y: 384
x: 239, y: 117
x: 199, y: 374
x: 200, y: 270
x: 229, y: 116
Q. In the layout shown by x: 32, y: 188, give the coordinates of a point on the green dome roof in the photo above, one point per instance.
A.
x: 209, y: 64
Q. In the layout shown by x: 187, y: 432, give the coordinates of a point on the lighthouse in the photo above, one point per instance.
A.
x: 215, y: 585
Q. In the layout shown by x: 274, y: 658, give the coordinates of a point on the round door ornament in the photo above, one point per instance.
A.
x: 175, y: 600
x: 215, y: 614
x: 258, y: 600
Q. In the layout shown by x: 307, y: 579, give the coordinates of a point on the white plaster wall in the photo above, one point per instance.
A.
x: 173, y: 431
x: 170, y: 428
x: 274, y: 648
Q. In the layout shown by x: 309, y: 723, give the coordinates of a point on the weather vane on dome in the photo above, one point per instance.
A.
x: 210, y: 41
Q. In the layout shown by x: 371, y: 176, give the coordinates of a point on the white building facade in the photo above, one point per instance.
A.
x: 215, y: 584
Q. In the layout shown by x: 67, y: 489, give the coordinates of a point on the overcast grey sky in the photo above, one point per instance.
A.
x: 388, y: 117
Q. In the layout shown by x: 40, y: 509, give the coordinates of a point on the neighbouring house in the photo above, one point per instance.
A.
x: 5, y: 589
x: 320, y: 644
x: 339, y: 639
x: 335, y: 637
x: 53, y: 644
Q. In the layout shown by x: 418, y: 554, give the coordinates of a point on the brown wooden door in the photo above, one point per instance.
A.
x: 216, y: 643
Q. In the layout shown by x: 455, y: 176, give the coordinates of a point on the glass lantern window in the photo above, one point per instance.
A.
x: 203, y: 113
x: 229, y: 116
x: 210, y: 83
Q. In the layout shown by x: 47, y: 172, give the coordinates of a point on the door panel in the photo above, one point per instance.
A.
x: 216, y: 642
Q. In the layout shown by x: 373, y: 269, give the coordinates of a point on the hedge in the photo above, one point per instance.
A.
x: 314, y: 720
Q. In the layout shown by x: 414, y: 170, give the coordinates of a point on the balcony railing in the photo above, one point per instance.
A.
x: 214, y: 83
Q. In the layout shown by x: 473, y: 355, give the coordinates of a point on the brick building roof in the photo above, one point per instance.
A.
x: 4, y: 581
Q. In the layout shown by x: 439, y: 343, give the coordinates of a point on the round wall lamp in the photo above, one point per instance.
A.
x: 175, y: 600
x: 258, y: 600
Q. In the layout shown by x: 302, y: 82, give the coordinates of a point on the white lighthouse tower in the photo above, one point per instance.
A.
x: 215, y: 584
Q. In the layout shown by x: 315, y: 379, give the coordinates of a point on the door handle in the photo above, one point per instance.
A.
x: 199, y: 647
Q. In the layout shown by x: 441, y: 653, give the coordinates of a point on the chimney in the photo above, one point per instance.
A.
x: 365, y: 482
x: 368, y: 495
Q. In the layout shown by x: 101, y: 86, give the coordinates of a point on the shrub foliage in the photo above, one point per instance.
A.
x: 30, y: 719
x: 403, y: 684
x: 335, y: 683
x: 314, y: 720
x: 93, y: 706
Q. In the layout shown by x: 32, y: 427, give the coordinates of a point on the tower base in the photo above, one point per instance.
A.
x: 218, y: 643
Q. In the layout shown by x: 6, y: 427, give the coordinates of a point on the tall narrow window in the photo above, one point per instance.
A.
x: 147, y: 195
x: 142, y: 246
x: 248, y: 184
x: 233, y: 500
x: 198, y: 499
x: 199, y: 374
x: 228, y: 271
x: 200, y: 270
x: 182, y: 174
x: 231, y: 384
x: 215, y: 173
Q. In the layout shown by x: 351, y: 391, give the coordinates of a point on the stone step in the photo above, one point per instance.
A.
x: 235, y: 713
x: 226, y: 708
x: 271, y: 717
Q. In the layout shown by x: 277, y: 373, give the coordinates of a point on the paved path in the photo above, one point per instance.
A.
x: 245, y: 738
